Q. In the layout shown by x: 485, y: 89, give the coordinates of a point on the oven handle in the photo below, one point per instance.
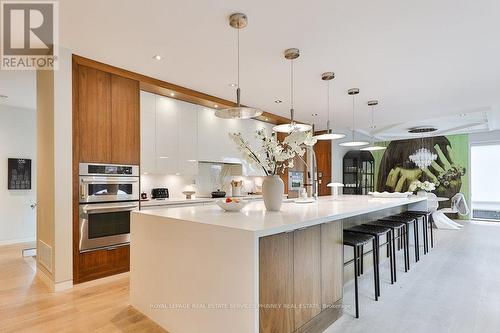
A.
x: 110, y: 208
x: 95, y: 181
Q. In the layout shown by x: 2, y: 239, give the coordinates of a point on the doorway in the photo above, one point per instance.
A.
x: 18, y: 161
x: 485, y: 181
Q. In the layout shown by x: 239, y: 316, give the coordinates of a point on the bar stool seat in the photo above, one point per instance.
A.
x: 400, y: 228
x: 377, y: 232
x: 357, y: 240
x: 428, y: 220
x: 408, y: 220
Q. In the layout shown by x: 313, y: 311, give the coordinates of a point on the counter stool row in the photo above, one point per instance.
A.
x: 395, y: 228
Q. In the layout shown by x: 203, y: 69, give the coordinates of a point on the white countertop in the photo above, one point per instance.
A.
x: 193, y: 201
x: 255, y: 218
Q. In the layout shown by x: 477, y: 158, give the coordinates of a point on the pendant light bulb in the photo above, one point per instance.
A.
x: 238, y: 21
x: 292, y: 54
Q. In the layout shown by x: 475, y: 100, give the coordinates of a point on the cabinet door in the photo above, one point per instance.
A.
x: 332, y: 262
x: 125, y: 121
x: 188, y: 138
x: 323, y: 150
x: 167, y: 149
x: 148, y: 132
x: 94, y: 115
x: 276, y: 283
x: 307, y: 274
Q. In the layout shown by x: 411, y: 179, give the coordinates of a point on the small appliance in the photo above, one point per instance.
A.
x: 159, y: 193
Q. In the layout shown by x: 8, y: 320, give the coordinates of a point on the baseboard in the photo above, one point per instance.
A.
x: 54, y: 287
x: 17, y: 241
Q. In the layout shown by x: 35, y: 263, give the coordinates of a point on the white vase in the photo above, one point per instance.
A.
x: 272, y: 191
x: 421, y: 193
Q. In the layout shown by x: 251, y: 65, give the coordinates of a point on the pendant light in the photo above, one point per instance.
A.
x: 353, y: 92
x: 373, y: 147
x: 238, y: 21
x: 292, y: 54
x: 329, y: 135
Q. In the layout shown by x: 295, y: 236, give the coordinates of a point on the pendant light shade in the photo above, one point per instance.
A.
x: 238, y: 21
x: 373, y: 147
x: 329, y: 135
x: 353, y: 143
x: 292, y: 54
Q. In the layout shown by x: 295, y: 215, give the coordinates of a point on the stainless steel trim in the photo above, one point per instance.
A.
x: 83, y: 170
x: 108, y: 242
x: 88, y: 180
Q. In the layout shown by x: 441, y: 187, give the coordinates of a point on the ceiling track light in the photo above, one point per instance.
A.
x: 238, y: 21
x: 353, y: 143
x: 329, y: 135
x: 292, y: 54
x: 373, y: 147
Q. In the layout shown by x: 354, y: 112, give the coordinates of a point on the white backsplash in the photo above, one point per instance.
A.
x: 206, y: 182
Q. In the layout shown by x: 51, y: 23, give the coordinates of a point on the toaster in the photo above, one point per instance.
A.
x: 159, y: 193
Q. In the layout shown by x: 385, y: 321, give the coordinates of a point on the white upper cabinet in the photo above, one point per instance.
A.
x: 175, y: 135
x: 168, y: 135
x: 188, y: 139
x: 214, y: 144
x: 148, y: 132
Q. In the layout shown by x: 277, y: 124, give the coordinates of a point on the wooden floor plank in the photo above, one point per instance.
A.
x: 27, y: 305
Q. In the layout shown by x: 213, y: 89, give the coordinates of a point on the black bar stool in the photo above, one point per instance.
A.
x: 357, y: 240
x: 428, y: 220
x: 400, y: 228
x: 377, y: 232
x: 425, y: 233
x: 408, y: 221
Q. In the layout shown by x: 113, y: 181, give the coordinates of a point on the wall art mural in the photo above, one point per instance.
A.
x: 395, y: 170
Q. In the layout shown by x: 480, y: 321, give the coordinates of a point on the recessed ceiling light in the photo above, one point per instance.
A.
x: 233, y: 85
x: 163, y: 157
x: 4, y: 96
x: 278, y: 101
x: 157, y: 57
x: 216, y: 106
x: 145, y: 173
x: 172, y: 94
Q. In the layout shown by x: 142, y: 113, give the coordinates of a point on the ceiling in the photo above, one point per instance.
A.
x: 19, y: 87
x: 421, y: 59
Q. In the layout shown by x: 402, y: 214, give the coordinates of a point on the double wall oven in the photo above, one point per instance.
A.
x: 108, y: 193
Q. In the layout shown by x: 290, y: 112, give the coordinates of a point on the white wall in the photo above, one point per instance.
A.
x: 17, y: 140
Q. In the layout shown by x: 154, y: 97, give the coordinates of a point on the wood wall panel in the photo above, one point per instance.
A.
x: 94, y: 115
x: 323, y: 150
x: 276, y: 283
x: 332, y: 263
x: 307, y: 274
x: 125, y: 120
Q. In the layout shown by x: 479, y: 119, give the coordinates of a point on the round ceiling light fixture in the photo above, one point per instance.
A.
x: 292, y: 54
x: 238, y: 21
x: 373, y: 146
x: 353, y: 143
x: 329, y: 135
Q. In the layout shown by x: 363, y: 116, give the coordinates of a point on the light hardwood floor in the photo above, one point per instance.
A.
x: 27, y: 305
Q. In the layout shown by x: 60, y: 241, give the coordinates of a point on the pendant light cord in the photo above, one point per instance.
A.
x: 328, y: 101
x: 353, y: 127
x: 291, y: 91
x: 238, y: 70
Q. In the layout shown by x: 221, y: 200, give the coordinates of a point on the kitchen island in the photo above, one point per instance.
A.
x: 200, y: 269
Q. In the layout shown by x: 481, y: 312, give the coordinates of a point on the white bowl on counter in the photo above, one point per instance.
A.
x: 231, y: 206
